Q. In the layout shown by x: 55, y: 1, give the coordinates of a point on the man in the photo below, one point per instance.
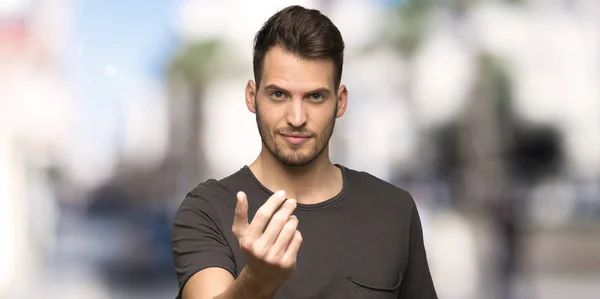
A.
x: 329, y: 232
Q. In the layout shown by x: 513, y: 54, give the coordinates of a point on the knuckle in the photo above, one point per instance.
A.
x: 261, y: 213
x: 288, y: 263
x: 272, y: 259
x: 260, y: 251
x: 292, y: 222
x: 246, y: 245
x: 290, y: 204
x: 279, y: 218
x: 289, y: 229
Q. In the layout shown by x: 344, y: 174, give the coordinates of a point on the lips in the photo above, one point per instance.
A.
x: 298, y: 135
x: 295, y: 138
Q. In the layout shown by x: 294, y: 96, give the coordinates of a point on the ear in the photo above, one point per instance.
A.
x: 251, y: 96
x: 342, y: 101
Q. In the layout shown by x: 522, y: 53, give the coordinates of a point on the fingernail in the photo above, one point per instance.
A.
x: 280, y: 193
x: 292, y: 201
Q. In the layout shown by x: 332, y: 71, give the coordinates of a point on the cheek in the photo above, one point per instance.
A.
x: 322, y: 119
x: 269, y: 119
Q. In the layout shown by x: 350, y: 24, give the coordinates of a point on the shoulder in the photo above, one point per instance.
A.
x: 216, y: 194
x: 375, y: 188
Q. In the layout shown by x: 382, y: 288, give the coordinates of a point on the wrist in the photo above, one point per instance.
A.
x: 256, y: 287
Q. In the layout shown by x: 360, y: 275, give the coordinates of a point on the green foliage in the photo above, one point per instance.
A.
x: 197, y: 62
x: 411, y: 21
x: 409, y: 27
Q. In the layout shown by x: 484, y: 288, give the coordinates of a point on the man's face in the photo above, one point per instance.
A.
x: 296, y: 106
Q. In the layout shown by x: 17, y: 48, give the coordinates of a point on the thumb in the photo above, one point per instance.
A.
x: 240, y: 220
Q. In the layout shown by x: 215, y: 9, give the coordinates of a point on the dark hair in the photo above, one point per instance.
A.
x: 304, y: 32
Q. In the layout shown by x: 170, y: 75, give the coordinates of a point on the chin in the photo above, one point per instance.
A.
x: 295, y: 163
x: 298, y: 159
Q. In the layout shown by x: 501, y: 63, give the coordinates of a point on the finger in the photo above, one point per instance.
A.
x: 285, y: 237
x: 289, y: 257
x: 264, y: 213
x: 240, y: 221
x: 276, y: 224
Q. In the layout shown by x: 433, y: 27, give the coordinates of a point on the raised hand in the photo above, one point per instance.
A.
x: 270, y: 255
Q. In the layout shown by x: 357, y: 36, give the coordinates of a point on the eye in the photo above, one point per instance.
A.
x: 277, y: 95
x: 316, y: 97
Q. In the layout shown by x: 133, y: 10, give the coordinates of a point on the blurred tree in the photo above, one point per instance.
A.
x: 139, y: 196
x: 197, y: 62
x: 487, y: 152
x: 407, y: 28
x: 192, y: 68
x: 490, y: 157
x: 409, y: 25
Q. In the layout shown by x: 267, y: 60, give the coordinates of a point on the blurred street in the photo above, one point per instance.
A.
x: 562, y: 263
x: 557, y: 264
x: 73, y: 269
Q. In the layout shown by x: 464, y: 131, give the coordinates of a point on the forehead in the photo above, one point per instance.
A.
x: 294, y: 73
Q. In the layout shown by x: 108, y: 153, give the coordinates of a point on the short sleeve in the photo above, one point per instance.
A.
x: 198, y: 241
x: 417, y: 281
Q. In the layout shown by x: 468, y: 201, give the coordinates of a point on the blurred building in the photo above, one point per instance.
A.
x: 34, y: 129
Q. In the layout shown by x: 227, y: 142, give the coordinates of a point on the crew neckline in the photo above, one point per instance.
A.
x: 308, y: 207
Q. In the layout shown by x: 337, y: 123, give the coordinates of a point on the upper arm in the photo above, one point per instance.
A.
x: 200, y: 248
x: 207, y: 283
x: 417, y: 281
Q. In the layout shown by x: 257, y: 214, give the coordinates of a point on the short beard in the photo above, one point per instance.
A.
x: 277, y: 151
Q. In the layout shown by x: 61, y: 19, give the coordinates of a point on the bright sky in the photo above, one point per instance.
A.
x: 117, y: 47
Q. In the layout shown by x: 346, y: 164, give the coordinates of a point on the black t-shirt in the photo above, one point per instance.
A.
x: 366, y: 242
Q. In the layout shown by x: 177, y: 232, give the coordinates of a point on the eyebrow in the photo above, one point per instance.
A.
x: 318, y: 90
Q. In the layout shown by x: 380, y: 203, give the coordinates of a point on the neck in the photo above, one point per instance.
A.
x: 308, y: 184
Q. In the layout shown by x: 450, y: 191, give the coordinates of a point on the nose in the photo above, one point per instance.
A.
x: 296, y: 115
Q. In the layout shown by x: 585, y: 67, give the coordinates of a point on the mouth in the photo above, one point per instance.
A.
x: 295, y: 138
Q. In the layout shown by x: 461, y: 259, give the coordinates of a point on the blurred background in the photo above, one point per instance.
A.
x: 488, y: 112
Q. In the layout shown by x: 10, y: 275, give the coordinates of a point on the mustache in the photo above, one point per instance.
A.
x: 292, y: 130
